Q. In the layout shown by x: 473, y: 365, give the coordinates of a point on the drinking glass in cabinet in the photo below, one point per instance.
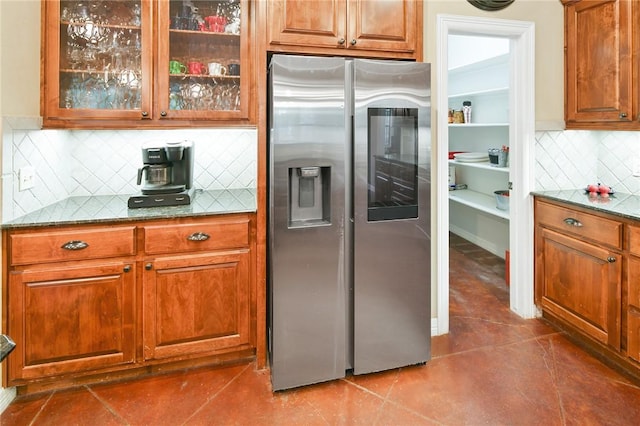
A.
x: 100, y: 52
x: 207, y: 33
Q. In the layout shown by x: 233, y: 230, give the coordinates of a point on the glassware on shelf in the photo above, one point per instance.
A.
x: 100, y: 66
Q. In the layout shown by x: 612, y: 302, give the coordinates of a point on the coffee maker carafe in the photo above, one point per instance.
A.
x: 166, y: 175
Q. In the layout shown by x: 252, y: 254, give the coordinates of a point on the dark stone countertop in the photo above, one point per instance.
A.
x: 113, y: 208
x: 624, y: 205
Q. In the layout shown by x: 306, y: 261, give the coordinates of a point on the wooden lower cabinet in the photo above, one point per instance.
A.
x: 196, y: 304
x: 581, y: 284
x: 587, y: 279
x: 70, y: 319
x: 147, y: 296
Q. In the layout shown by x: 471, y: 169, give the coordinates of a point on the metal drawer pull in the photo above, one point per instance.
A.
x: 611, y: 259
x: 74, y: 245
x: 127, y: 268
x: 198, y: 236
x: 573, y: 222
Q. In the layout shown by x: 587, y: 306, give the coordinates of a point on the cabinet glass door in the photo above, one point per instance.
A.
x: 101, y: 69
x: 200, y: 65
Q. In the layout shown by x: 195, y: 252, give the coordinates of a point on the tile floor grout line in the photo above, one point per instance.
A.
x: 32, y: 422
x: 215, y: 395
x: 563, y: 414
x: 386, y: 399
x: 106, y: 405
x: 528, y: 339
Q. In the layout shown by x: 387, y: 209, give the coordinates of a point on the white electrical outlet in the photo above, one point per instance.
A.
x: 26, y: 178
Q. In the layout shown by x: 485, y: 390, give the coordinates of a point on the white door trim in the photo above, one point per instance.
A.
x: 521, y: 156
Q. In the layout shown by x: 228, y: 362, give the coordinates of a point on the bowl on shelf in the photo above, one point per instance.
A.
x: 502, y: 199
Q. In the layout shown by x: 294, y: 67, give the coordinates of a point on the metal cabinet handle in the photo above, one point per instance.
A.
x: 163, y: 113
x: 611, y: 259
x: 148, y: 266
x: 353, y: 41
x: 74, y: 245
x: 341, y: 41
x: 573, y: 222
x: 127, y: 268
x: 623, y: 115
x: 145, y: 114
x: 198, y: 236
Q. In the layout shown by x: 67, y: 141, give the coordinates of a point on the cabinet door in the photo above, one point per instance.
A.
x: 70, y: 319
x: 598, y: 62
x: 97, y: 60
x: 580, y: 284
x: 633, y: 334
x: 196, y: 304
x: 204, y: 60
x: 633, y: 298
x: 308, y: 23
x: 387, y: 25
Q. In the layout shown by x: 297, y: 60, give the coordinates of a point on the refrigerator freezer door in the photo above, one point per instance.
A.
x: 307, y: 210
x: 392, y: 320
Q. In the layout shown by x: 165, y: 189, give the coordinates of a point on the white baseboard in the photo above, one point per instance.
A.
x: 6, y: 396
x: 487, y: 245
x: 434, y: 326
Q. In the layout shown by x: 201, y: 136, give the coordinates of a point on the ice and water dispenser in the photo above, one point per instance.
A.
x: 309, y: 196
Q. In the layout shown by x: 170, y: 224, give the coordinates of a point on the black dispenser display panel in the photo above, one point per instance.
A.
x: 392, y: 163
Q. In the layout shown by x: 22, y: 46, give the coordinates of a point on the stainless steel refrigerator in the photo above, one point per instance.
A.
x: 349, y: 217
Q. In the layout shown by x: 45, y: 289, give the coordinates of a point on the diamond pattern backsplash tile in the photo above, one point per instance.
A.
x: 105, y: 162
x: 573, y: 159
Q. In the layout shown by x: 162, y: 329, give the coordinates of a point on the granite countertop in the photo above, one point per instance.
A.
x: 624, y: 205
x: 110, y: 208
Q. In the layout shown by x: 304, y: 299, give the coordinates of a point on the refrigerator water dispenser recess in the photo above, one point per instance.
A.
x: 309, y: 196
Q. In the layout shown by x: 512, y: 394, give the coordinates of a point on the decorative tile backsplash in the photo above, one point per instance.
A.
x: 105, y: 162
x: 573, y: 159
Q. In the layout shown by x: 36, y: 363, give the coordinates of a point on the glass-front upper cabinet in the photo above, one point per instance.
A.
x: 132, y: 63
x: 201, y: 69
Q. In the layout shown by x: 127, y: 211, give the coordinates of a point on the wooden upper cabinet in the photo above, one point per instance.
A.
x: 384, y: 28
x: 146, y: 63
x: 602, y: 88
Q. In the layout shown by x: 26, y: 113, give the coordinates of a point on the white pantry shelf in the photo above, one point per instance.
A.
x: 478, y: 124
x: 478, y: 201
x: 480, y: 165
x: 471, y: 94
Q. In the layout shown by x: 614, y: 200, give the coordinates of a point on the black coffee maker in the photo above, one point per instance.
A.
x: 166, y: 176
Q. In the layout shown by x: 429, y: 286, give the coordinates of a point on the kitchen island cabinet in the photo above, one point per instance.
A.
x: 115, y: 64
x: 602, y: 64
x: 95, y: 302
x: 385, y: 29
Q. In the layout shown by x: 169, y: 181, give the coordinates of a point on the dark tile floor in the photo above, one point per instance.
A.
x: 492, y: 369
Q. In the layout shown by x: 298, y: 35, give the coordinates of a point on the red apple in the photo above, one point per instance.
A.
x: 592, y: 188
x: 604, y: 189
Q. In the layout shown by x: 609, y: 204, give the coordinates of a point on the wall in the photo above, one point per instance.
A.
x: 548, y: 18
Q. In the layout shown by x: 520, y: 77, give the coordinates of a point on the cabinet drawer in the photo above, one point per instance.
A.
x: 584, y: 225
x: 72, y: 244
x: 199, y: 236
